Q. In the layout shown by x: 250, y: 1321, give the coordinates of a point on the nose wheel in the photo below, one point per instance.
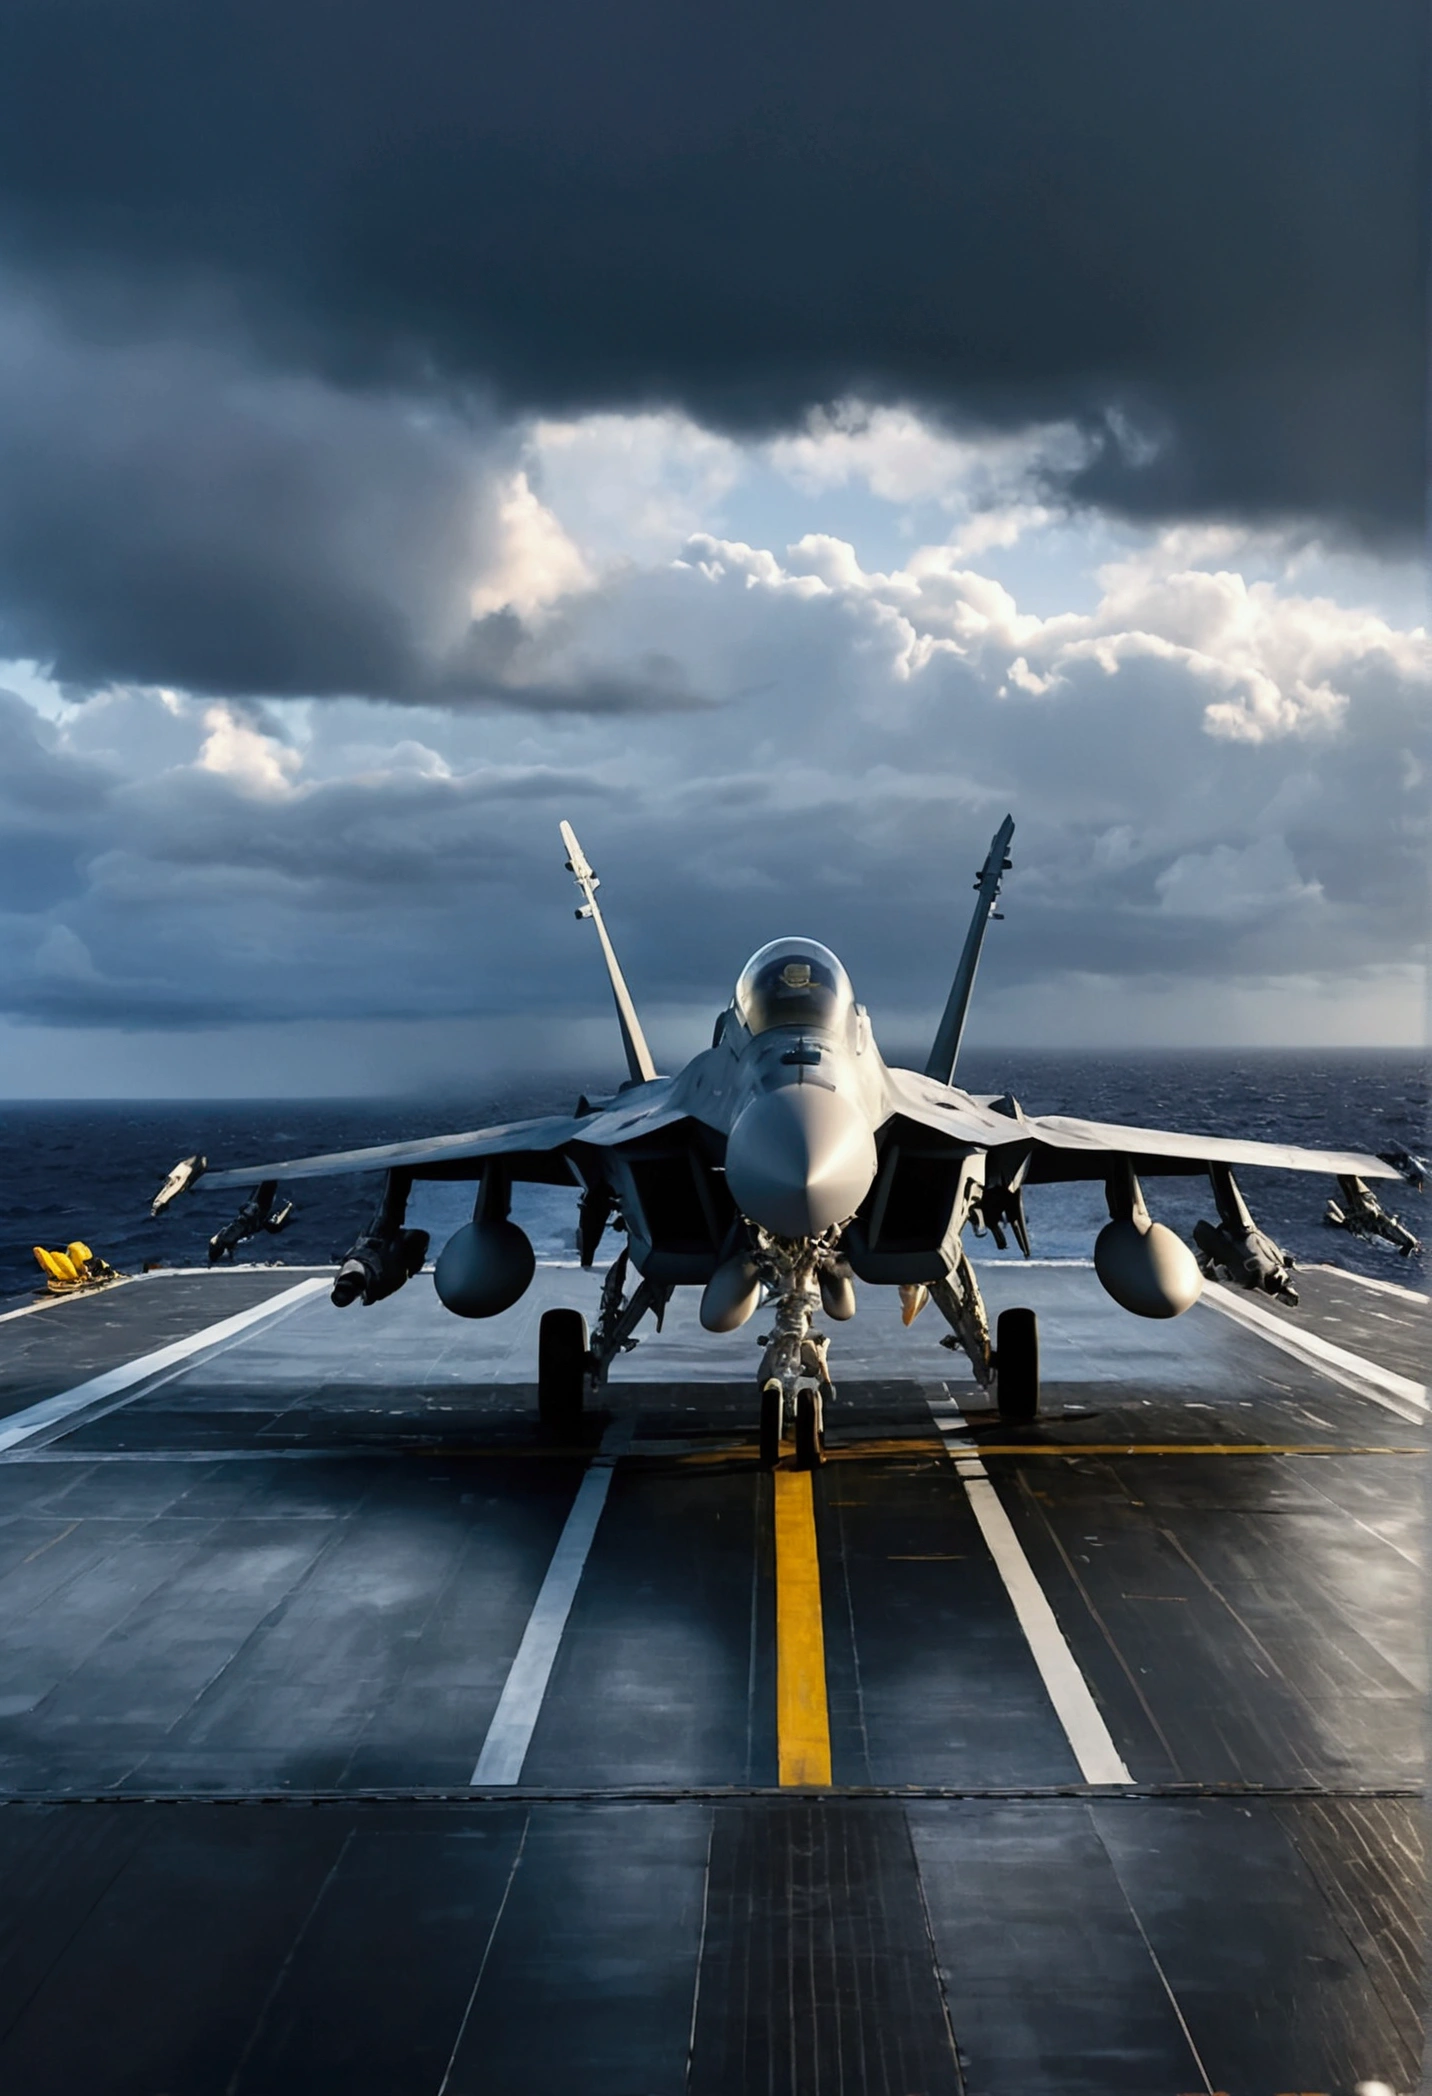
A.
x: 810, y: 1430
x: 809, y: 1408
x: 773, y: 1419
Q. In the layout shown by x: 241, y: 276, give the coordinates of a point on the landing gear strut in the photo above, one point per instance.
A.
x: 959, y: 1302
x: 1009, y: 1368
x: 794, y: 1378
x: 570, y: 1366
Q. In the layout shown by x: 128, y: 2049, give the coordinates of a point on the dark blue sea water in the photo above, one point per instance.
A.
x: 89, y: 1171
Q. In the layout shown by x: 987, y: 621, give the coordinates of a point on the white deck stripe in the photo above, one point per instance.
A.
x: 1345, y: 1273
x: 71, y: 1295
x: 163, y: 1273
x: 520, y: 1704
x: 52, y: 1410
x: 1364, y: 1378
x: 1098, y: 1758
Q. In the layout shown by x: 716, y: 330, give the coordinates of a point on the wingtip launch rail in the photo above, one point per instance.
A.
x: 640, y: 1067
x: 945, y: 1052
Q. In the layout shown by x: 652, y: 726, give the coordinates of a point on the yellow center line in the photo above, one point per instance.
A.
x: 1183, y: 1448
x: 802, y: 1715
x: 920, y: 1446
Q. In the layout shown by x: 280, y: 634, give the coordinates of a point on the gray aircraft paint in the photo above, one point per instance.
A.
x: 791, y: 1143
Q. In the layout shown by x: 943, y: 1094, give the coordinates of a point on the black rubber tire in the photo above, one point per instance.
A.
x: 773, y: 1407
x: 809, y: 1451
x: 1016, y: 1360
x: 561, y: 1371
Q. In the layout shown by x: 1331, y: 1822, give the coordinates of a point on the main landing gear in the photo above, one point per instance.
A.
x: 1008, y: 1369
x: 794, y: 1377
x: 571, y: 1366
x: 1016, y: 1356
x: 562, y: 1364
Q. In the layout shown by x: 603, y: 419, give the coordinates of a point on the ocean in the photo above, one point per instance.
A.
x: 76, y: 1170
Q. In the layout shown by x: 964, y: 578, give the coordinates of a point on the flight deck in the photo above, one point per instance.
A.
x: 356, y: 1738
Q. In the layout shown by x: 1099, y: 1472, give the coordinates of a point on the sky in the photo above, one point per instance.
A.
x: 779, y: 440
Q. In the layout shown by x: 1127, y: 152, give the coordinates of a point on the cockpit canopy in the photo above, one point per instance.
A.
x: 794, y: 982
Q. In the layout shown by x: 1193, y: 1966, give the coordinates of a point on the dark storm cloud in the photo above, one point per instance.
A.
x: 168, y: 516
x: 1207, y: 215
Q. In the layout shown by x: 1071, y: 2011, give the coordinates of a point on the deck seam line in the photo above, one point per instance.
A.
x: 700, y: 1951
x: 486, y: 1955
x: 1154, y: 1959
x: 260, y: 2025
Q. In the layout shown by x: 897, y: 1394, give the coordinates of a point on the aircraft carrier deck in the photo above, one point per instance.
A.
x: 352, y: 1740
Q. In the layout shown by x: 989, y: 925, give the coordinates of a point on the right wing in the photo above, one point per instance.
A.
x: 538, y: 1141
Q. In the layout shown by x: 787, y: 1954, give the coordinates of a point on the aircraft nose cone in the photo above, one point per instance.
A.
x: 799, y: 1159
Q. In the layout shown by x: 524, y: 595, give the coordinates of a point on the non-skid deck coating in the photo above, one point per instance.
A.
x: 259, y: 1616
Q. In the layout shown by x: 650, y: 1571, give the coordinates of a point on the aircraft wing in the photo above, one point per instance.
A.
x: 1070, y: 1149
x: 533, y: 1149
x: 1066, y: 1148
x: 949, y: 1111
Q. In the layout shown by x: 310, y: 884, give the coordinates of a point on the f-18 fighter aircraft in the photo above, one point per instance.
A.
x: 784, y: 1163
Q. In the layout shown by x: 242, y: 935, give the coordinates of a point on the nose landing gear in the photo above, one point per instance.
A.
x: 794, y: 1378
x: 809, y: 1411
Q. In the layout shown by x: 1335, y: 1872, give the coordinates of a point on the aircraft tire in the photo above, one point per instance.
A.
x: 773, y: 1407
x: 809, y: 1451
x: 561, y: 1371
x: 1016, y: 1356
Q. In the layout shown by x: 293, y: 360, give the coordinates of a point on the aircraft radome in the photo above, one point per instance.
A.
x: 784, y: 1163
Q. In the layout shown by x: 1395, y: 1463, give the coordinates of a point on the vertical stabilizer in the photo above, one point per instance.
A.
x: 640, y: 1066
x: 947, y: 1041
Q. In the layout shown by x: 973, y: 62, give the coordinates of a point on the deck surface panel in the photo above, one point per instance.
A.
x: 1386, y: 1323
x: 76, y: 1337
x: 259, y: 1614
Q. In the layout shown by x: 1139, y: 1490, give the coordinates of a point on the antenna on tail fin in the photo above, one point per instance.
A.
x: 640, y: 1066
x: 941, y: 1063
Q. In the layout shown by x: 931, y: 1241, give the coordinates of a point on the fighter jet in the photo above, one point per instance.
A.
x: 782, y: 1165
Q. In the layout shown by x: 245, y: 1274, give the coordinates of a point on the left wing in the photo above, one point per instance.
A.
x: 1070, y: 1149
x: 1061, y: 1147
